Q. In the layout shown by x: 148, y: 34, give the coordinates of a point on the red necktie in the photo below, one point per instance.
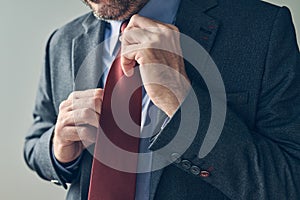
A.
x: 108, y: 179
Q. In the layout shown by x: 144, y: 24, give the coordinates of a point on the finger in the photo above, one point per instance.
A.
x: 86, y: 134
x: 136, y: 36
x: 145, y: 37
x: 132, y: 56
x: 140, y: 40
x: 128, y: 65
x: 142, y: 22
x: 86, y: 93
x: 133, y: 43
x: 94, y: 103
x: 144, y: 55
x: 79, y: 117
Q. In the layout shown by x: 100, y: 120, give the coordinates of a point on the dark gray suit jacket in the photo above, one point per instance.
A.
x: 258, y: 153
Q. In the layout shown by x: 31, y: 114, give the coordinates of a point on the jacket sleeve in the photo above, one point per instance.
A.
x: 260, y: 163
x: 37, y: 148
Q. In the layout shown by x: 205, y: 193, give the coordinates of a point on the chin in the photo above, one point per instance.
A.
x: 108, y: 13
x: 114, y: 11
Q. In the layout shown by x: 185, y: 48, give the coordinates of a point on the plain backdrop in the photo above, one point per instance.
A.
x: 25, y: 27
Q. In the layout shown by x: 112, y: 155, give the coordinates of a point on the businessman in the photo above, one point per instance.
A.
x: 254, y: 48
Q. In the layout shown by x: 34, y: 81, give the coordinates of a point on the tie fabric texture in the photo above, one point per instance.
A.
x: 108, y: 180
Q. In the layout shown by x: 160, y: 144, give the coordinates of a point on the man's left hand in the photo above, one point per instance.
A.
x: 155, y: 46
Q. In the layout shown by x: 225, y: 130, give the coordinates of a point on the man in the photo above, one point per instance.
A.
x: 254, y: 47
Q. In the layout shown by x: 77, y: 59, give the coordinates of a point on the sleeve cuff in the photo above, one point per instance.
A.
x: 66, y: 170
x: 167, y: 120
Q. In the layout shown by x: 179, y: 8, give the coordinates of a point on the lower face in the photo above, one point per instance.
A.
x: 115, y: 9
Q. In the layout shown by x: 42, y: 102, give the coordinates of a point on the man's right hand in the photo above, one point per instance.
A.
x: 77, y: 124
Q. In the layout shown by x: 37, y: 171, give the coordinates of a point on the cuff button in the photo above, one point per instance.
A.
x: 186, y: 164
x: 204, y: 174
x: 175, y: 157
x: 195, y: 170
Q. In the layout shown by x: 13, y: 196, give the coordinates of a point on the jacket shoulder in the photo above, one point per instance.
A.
x: 69, y: 31
x: 247, y: 16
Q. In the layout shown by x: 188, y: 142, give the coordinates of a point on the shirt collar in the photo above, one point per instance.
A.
x: 161, y: 10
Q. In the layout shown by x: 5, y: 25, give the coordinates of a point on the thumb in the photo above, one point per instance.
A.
x: 127, y: 66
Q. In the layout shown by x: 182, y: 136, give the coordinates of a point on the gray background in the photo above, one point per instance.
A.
x: 25, y: 27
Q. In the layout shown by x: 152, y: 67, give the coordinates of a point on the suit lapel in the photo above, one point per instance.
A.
x: 86, y: 54
x: 195, y: 23
x: 86, y: 71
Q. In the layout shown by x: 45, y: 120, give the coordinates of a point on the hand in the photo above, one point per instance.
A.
x: 77, y: 124
x: 155, y: 46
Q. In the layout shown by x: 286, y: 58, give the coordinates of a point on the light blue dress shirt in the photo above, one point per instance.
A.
x: 161, y: 10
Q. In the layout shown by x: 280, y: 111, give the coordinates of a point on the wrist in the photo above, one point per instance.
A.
x: 172, y: 106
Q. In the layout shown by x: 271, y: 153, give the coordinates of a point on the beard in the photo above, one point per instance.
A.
x: 115, y: 9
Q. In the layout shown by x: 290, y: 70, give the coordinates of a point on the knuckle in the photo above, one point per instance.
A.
x: 63, y: 105
x: 98, y: 92
x: 83, y: 130
x: 71, y: 95
x: 134, y: 17
x: 86, y: 113
x: 63, y: 121
x: 66, y: 105
x: 83, y: 133
x: 97, y: 97
x: 156, y: 37
x: 175, y: 28
x: 74, y: 95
